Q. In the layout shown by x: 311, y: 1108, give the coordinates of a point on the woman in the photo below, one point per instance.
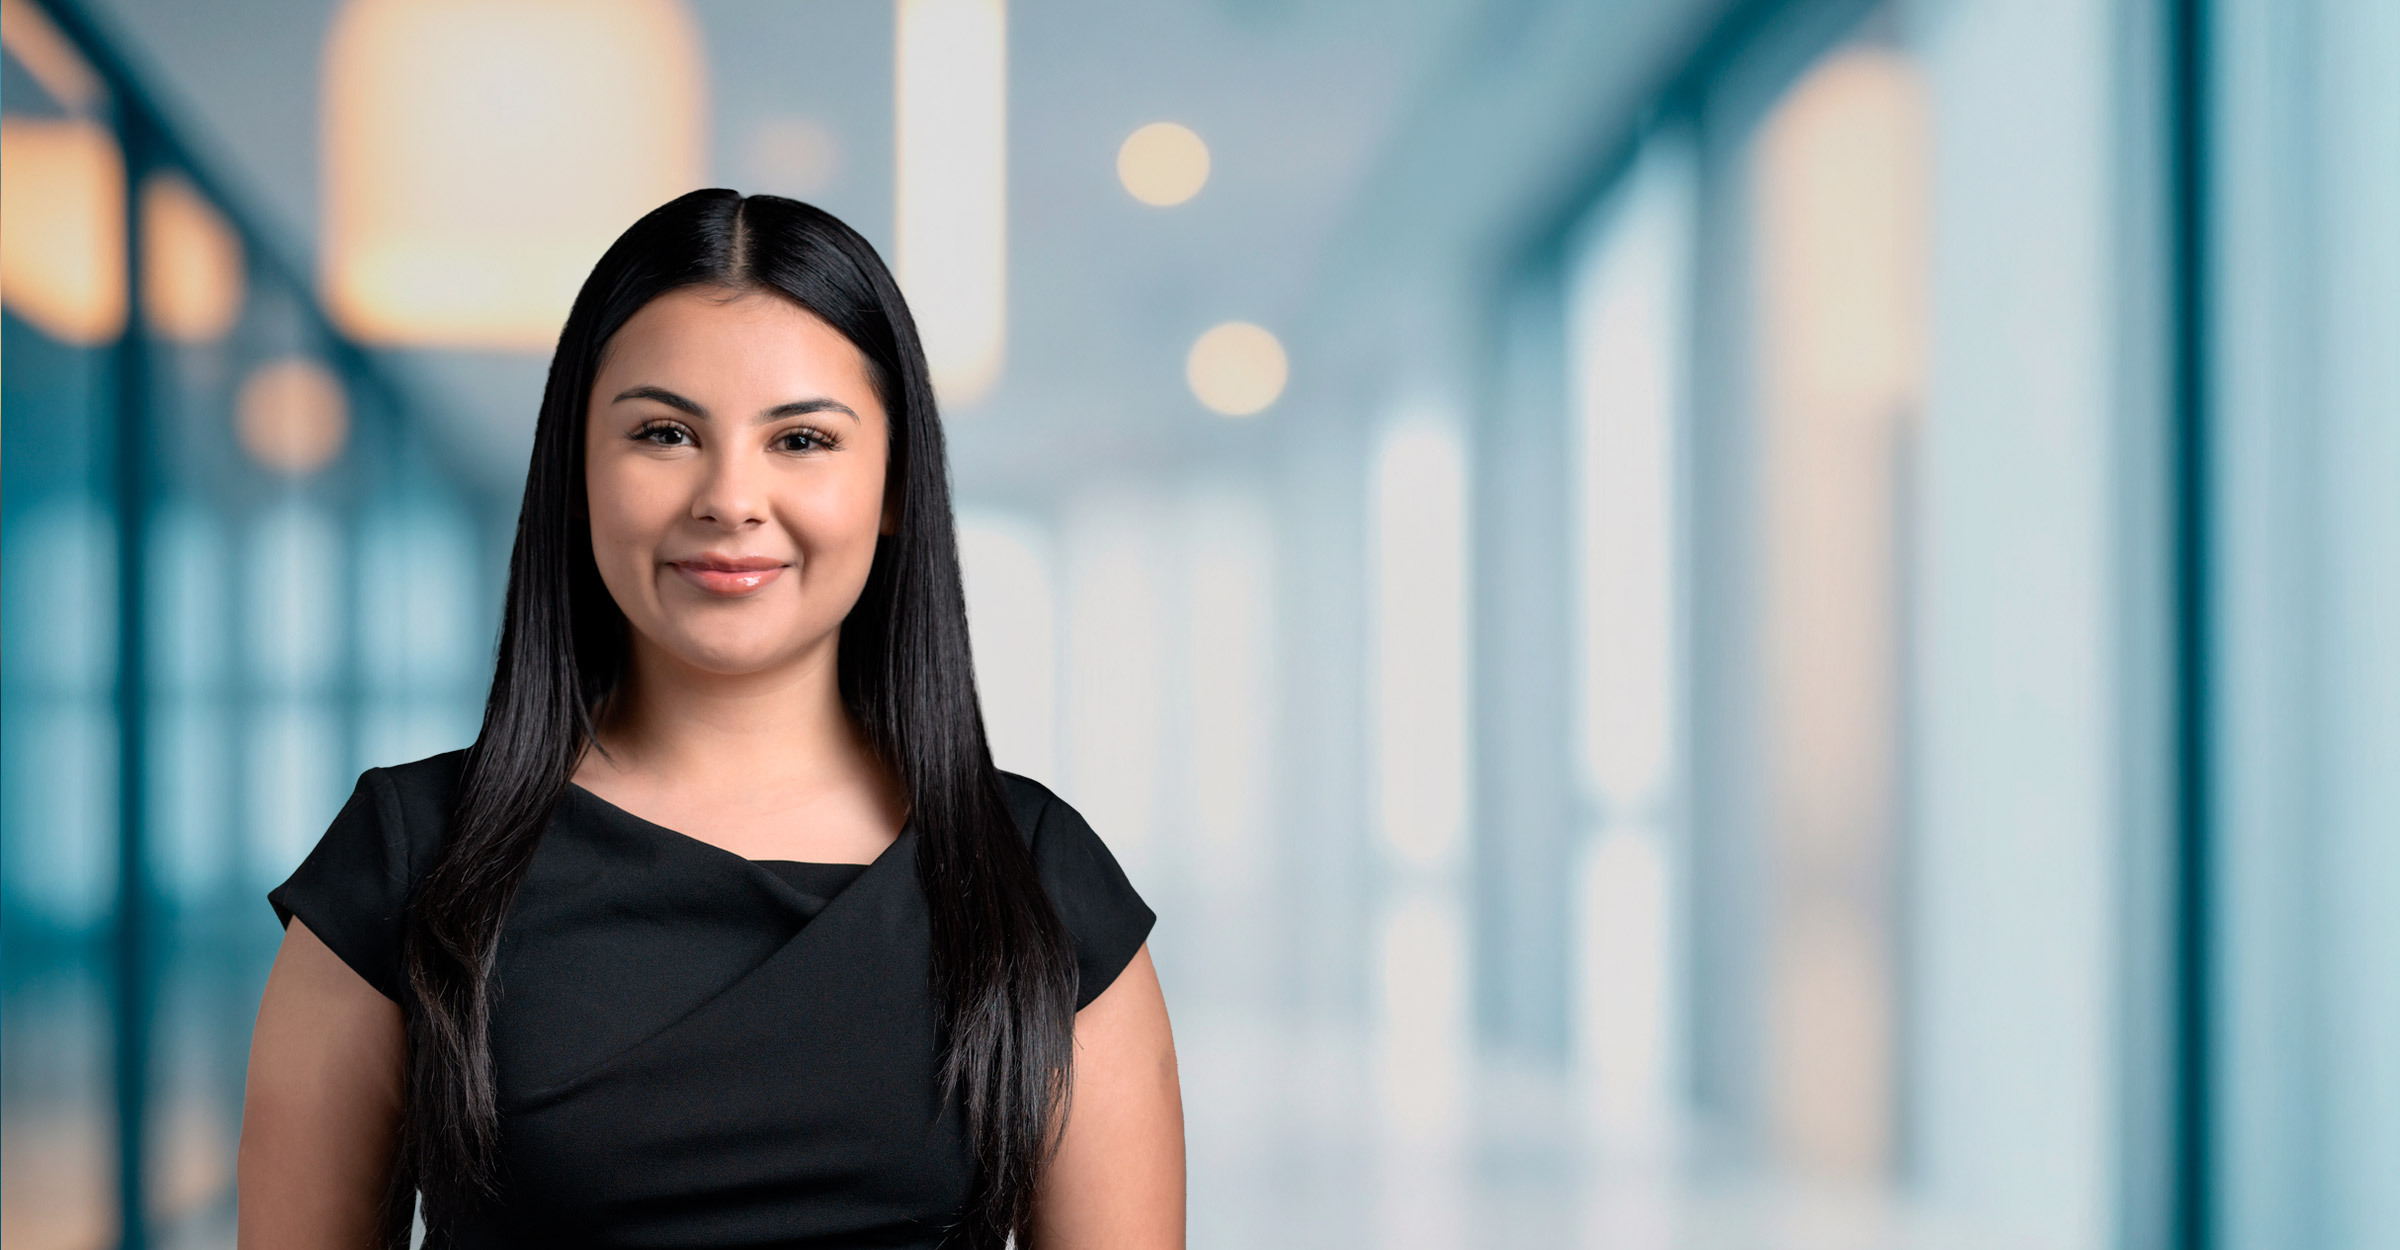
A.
x: 725, y: 931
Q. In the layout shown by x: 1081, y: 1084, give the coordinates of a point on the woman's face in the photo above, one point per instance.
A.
x: 734, y: 457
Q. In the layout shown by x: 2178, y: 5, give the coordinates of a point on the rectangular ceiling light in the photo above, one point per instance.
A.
x: 478, y: 158
x: 951, y: 122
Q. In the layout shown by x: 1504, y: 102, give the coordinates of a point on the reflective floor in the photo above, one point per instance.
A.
x: 1295, y: 1142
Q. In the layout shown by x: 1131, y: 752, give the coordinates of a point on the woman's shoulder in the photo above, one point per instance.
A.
x: 434, y: 776
x: 1103, y: 912
x: 1028, y: 800
x: 1050, y: 824
x: 353, y: 887
x: 403, y: 807
x: 409, y: 804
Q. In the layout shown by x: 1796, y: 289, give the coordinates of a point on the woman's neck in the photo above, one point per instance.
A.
x: 784, y: 727
x: 767, y: 765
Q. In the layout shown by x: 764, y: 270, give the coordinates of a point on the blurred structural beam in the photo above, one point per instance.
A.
x: 130, y: 497
x: 2192, y: 744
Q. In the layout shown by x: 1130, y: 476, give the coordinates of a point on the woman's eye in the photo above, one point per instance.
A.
x: 663, y: 435
x: 806, y: 440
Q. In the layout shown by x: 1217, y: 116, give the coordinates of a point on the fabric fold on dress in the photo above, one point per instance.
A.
x: 704, y: 990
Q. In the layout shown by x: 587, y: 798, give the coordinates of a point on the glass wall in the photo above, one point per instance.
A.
x: 236, y: 574
x: 1926, y: 580
x: 2303, y: 306
x: 1858, y: 469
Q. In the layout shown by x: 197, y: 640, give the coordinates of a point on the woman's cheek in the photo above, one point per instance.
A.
x: 835, y: 528
x: 621, y: 550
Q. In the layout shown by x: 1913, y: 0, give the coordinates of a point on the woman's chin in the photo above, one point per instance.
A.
x: 723, y: 658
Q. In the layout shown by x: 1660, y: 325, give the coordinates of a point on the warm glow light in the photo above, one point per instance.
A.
x: 1841, y: 180
x: 62, y: 227
x: 480, y: 155
x: 1830, y: 1009
x: 1236, y: 369
x: 796, y: 156
x: 951, y: 130
x: 191, y: 263
x: 1163, y: 164
x: 1843, y: 210
x: 292, y: 415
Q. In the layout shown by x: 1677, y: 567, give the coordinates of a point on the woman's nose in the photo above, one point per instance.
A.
x: 730, y: 492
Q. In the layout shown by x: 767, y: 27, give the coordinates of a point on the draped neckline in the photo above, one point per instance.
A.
x: 805, y: 926
x: 756, y: 867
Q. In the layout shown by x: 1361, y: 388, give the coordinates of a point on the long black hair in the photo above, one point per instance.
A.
x: 1003, y: 973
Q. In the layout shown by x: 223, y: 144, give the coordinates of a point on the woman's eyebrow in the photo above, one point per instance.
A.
x: 802, y: 407
x: 796, y: 408
x: 662, y: 395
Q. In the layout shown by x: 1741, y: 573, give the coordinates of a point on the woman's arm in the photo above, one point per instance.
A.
x: 321, y: 1112
x: 1117, y: 1180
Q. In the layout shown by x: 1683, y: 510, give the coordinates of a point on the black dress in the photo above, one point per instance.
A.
x: 697, y: 1049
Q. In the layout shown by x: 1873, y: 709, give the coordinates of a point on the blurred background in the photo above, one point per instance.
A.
x: 1711, y: 623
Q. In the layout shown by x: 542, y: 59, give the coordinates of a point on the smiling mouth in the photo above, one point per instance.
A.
x: 729, y: 579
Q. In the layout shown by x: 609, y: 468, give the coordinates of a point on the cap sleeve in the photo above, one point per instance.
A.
x: 1106, y: 917
x: 354, y: 885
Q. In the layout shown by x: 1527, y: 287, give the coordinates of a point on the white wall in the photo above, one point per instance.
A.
x: 2013, y: 883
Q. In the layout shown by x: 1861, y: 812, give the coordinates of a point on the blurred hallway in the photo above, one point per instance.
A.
x: 1710, y: 623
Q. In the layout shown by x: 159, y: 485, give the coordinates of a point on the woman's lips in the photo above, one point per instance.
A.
x: 728, y: 578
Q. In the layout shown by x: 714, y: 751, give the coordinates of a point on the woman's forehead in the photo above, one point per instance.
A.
x: 734, y: 347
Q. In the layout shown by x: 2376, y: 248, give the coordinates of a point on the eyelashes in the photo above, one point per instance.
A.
x: 651, y: 432
x: 815, y: 436
x: 664, y: 433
